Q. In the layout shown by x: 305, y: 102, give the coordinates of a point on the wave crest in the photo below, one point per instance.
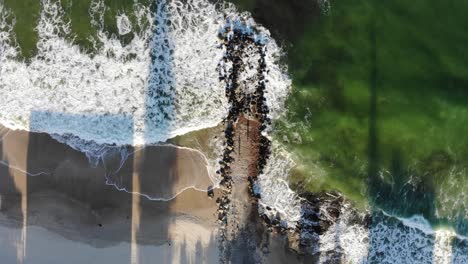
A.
x: 165, y: 80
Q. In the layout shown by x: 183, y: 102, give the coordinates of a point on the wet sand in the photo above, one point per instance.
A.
x: 64, y: 209
x: 67, y: 211
x: 248, y: 238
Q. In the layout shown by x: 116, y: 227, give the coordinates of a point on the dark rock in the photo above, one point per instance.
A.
x: 210, y: 192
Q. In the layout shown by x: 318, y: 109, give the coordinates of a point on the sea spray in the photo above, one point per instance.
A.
x: 63, y: 80
x: 93, y: 102
x: 278, y: 201
x: 248, y: 88
x: 101, y: 102
x: 335, y: 232
x: 66, y: 92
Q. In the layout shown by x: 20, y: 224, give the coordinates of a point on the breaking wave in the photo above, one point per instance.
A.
x: 164, y: 83
x: 277, y: 199
x: 389, y: 239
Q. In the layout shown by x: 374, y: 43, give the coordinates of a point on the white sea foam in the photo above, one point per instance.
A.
x: 7, y: 48
x: 452, y: 206
x: 123, y: 24
x: 105, y: 98
x: 278, y: 82
x: 392, y: 239
x: 281, y: 201
x: 162, y: 84
x: 412, y: 240
x: 93, y: 102
x: 274, y: 190
x: 350, y: 240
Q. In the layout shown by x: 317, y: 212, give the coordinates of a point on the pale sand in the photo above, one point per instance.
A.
x: 65, y: 213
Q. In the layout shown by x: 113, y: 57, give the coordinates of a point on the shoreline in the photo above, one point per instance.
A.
x: 71, y: 204
x: 71, y: 199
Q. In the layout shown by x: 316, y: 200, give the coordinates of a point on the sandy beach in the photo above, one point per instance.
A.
x: 55, y: 207
x: 64, y: 210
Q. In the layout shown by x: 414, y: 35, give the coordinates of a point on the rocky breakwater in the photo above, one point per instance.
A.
x: 246, y: 236
x: 246, y: 149
x: 324, y: 216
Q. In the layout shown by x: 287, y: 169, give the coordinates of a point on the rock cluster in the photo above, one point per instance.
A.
x: 320, y: 211
x: 262, y: 111
x: 239, y: 44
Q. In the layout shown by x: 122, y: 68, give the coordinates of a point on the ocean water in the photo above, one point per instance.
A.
x: 391, y: 239
x: 161, y: 84
x: 164, y: 82
x: 414, y: 141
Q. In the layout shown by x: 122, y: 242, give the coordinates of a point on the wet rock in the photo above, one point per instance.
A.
x: 210, y: 192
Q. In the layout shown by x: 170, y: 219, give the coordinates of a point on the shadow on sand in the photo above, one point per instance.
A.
x: 52, y: 196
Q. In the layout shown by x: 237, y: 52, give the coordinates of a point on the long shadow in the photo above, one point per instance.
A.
x: 242, y: 248
x: 398, y: 196
x: 287, y: 20
x: 159, y: 101
x: 394, y: 193
x: 117, y: 202
x: 74, y: 197
x: 10, y: 204
x: 202, y: 253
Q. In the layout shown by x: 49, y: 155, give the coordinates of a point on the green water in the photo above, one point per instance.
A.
x: 83, y: 30
x: 408, y: 153
x: 397, y: 140
x: 77, y: 13
x: 414, y: 160
x: 26, y: 13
